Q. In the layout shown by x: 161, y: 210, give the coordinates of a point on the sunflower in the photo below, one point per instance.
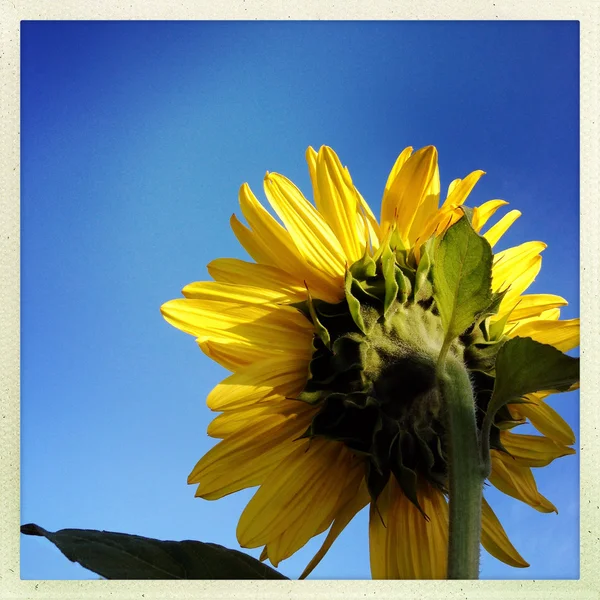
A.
x: 330, y: 335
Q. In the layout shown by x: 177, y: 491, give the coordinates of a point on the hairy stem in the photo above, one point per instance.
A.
x: 465, y: 472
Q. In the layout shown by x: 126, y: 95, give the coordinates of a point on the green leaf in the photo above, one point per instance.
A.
x: 468, y: 212
x: 524, y: 366
x: 462, y: 275
x: 124, y: 556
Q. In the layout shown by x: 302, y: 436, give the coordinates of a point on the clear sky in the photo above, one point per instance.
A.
x: 135, y: 140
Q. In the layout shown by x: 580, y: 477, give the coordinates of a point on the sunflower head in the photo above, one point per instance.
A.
x: 333, y: 335
x: 372, y: 375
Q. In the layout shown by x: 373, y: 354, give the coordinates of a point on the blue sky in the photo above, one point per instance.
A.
x: 135, y: 139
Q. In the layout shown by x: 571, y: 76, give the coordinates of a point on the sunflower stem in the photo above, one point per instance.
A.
x: 465, y: 472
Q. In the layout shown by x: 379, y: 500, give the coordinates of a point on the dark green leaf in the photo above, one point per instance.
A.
x: 124, y: 556
x: 524, y: 366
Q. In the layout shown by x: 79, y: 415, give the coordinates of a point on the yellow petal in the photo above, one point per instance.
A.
x: 552, y: 314
x: 311, y: 234
x: 495, y: 540
x: 518, y: 285
x: 251, y: 242
x: 233, y: 270
x: 232, y: 293
x: 422, y: 546
x: 494, y: 233
x: 402, y: 158
x: 427, y: 208
x: 346, y: 479
x: 450, y: 211
x: 545, y: 419
x: 281, y: 375
x: 532, y: 305
x: 235, y: 355
x: 510, y: 264
x: 374, y: 231
x: 307, y: 478
x: 276, y: 245
x: 517, y: 481
x: 353, y: 500
x: 451, y: 187
x: 337, y: 201
x: 232, y: 421
x: 414, y: 547
x: 280, y: 327
x: 482, y: 214
x: 311, y: 159
x: 246, y: 458
x: 460, y: 189
x: 533, y: 450
x: 278, y: 241
x: 563, y: 335
x: 373, y: 226
x: 409, y: 188
x: 388, y: 205
x: 382, y: 535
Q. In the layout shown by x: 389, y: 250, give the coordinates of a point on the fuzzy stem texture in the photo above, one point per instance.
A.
x: 465, y: 472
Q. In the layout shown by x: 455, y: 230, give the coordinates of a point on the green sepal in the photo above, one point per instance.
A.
x: 406, y: 477
x: 507, y: 425
x: 403, y: 260
x: 311, y: 397
x: 365, y: 292
x: 364, y: 268
x: 496, y: 329
x: 396, y: 243
x: 495, y: 443
x: 482, y: 356
x: 483, y: 320
x: 348, y: 354
x: 376, y: 483
x: 404, y: 285
x: 388, y: 267
x: 353, y: 303
x: 494, y: 306
x: 331, y: 311
x: 301, y: 306
x: 319, y: 371
x: 503, y: 416
x: 426, y: 455
x: 423, y: 288
x: 320, y: 330
x: 345, y: 418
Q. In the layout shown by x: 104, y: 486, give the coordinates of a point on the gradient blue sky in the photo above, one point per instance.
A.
x: 135, y: 139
